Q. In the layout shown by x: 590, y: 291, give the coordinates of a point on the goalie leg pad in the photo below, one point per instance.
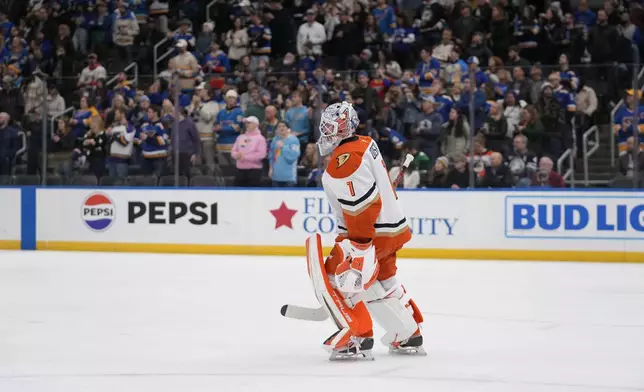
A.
x: 394, y: 310
x: 351, y: 321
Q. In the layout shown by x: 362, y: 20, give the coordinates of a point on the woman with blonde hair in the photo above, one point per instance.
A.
x: 94, y: 146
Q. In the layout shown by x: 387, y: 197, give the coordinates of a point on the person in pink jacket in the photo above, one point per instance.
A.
x: 249, y: 152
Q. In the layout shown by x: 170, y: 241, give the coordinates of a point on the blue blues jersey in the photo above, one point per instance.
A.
x: 155, y: 144
x: 227, y: 118
x: 445, y: 105
x: 5, y: 27
x: 623, y: 126
x: 427, y: 71
x: 259, y: 37
x: 565, y: 99
x: 216, y: 62
x: 386, y: 19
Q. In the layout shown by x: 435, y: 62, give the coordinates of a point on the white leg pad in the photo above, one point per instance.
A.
x: 387, y: 302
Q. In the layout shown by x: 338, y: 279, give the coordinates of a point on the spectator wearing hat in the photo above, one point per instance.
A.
x: 139, y: 115
x: 546, y: 177
x: 125, y: 28
x: 92, y: 73
x: 437, y: 177
x: 310, y: 36
x: 428, y: 127
x: 9, y: 144
x: 228, y: 123
x: 283, y: 156
x: 249, y: 151
x: 184, y: 33
x: 260, y: 38
x: 480, y: 76
x: 186, y: 66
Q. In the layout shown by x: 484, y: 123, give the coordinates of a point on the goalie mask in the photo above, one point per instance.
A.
x: 339, y: 121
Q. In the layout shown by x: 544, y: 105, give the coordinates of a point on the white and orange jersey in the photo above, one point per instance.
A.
x: 357, y: 185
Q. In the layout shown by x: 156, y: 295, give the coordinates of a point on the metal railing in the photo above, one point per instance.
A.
x: 155, y: 54
x: 569, y: 175
x: 613, y: 112
x: 587, y: 153
x: 134, y: 80
x: 208, y: 7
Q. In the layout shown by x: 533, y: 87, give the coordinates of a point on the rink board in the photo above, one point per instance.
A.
x: 532, y: 225
x: 10, y: 218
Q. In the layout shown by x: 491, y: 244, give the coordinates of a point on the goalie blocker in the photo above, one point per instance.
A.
x: 354, y: 295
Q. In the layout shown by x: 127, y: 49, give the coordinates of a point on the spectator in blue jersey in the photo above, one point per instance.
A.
x: 122, y: 87
x: 624, y: 119
x: 298, y: 118
x: 427, y: 70
x: 385, y: 18
x: 428, y: 128
x: 455, y: 68
x: 479, y: 75
x: 282, y: 157
x: 259, y: 38
x: 99, y: 29
x: 628, y: 167
x: 562, y: 94
x: 154, y: 144
x: 81, y: 119
x: 584, y: 15
x: 9, y: 144
x: 403, y: 40
x: 185, y: 34
x: 565, y: 73
x: 229, y: 121
x: 471, y: 93
x: 216, y: 61
x: 444, y: 102
x: 5, y: 24
x: 629, y: 30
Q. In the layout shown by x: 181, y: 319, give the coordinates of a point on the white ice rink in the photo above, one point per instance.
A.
x: 77, y: 322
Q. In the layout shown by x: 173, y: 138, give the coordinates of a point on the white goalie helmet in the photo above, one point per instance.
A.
x: 339, y: 121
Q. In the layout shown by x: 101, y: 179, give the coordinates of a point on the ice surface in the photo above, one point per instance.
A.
x: 103, y: 322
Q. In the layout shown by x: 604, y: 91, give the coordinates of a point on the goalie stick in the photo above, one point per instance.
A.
x: 320, y: 314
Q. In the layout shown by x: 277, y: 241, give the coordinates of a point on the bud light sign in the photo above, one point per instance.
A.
x: 575, y: 217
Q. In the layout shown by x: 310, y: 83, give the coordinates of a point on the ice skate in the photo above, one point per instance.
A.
x: 411, y: 346
x: 355, y: 349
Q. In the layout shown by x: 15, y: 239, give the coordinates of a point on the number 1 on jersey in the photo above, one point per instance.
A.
x: 352, y: 191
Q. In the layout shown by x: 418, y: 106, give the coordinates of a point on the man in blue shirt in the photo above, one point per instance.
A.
x: 228, y: 124
x: 298, y: 119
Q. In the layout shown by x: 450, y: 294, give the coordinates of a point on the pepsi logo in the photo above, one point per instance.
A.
x: 98, y: 212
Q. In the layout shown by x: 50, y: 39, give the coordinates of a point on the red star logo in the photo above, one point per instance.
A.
x: 283, y: 216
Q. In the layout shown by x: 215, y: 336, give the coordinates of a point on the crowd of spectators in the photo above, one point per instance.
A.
x: 501, y: 88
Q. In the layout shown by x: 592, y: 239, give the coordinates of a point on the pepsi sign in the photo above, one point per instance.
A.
x: 589, y: 217
x: 98, y: 212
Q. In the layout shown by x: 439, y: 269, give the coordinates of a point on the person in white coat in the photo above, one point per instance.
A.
x: 203, y: 111
x: 310, y: 36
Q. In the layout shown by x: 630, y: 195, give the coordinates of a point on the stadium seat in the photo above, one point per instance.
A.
x: 203, y: 181
x: 26, y: 180
x: 111, y: 181
x: 5, y: 180
x: 83, y: 180
x: 143, y: 181
x: 168, y: 181
x: 54, y: 180
x: 622, y: 183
